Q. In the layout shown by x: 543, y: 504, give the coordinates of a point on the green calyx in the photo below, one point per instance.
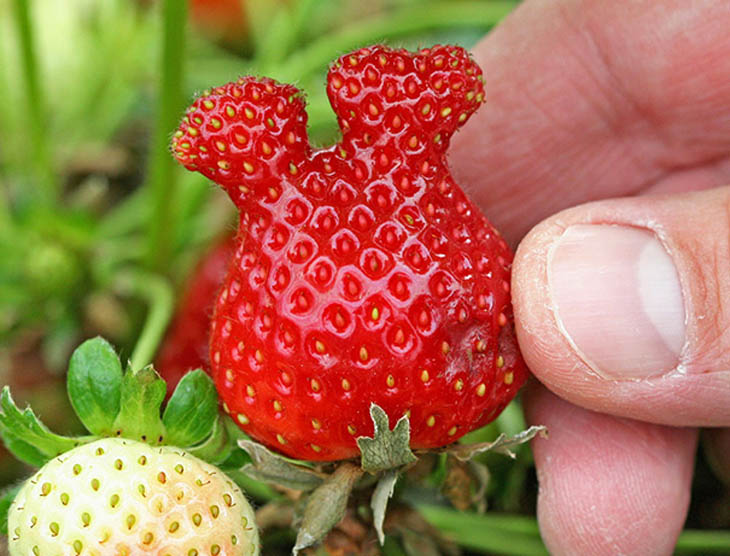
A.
x: 111, y: 402
x: 384, y: 458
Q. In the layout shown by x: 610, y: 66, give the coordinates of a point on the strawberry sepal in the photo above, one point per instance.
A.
x: 94, y: 384
x: 141, y: 399
x: 387, y: 449
x: 192, y: 410
x: 379, y: 502
x: 273, y: 468
x: 26, y: 437
x: 326, y: 506
x: 503, y: 444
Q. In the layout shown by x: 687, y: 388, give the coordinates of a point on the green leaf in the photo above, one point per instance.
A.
x: 379, y: 502
x: 387, y: 449
x: 26, y: 437
x: 326, y: 506
x: 141, y: 399
x: 502, y: 445
x: 94, y: 385
x: 6, y: 499
x: 276, y: 469
x: 489, y: 533
x: 192, y: 411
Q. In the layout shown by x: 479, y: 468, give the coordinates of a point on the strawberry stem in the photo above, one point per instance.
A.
x: 703, y: 542
x: 157, y: 292
x: 41, y: 161
x: 519, y: 535
x: 398, y: 23
x: 162, y: 181
x: 490, y: 533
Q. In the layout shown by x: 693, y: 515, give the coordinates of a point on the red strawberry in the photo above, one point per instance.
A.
x: 367, y: 276
x: 186, y: 344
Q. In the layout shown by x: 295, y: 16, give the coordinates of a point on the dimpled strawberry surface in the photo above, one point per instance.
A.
x: 366, y: 275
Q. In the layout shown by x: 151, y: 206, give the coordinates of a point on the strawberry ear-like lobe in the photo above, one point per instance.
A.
x: 379, y: 92
x: 245, y: 136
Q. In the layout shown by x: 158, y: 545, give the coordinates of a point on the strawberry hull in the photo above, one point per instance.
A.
x: 366, y: 275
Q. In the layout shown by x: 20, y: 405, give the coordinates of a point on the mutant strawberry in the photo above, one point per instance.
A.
x: 132, y: 499
x: 185, y: 346
x: 143, y: 481
x: 367, y: 277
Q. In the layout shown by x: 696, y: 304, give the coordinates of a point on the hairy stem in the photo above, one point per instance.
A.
x: 162, y: 182
x: 519, y: 535
x: 158, y: 295
x: 703, y: 542
x: 47, y: 186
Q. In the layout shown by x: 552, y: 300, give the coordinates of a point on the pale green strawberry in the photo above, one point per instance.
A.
x: 144, y: 481
x: 117, y: 496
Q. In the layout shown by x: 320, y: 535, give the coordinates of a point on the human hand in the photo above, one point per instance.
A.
x: 621, y: 305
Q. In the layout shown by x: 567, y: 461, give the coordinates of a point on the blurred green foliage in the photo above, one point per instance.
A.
x: 107, y: 80
x: 98, y: 227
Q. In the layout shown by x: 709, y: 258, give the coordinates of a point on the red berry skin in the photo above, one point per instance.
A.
x: 185, y: 346
x: 366, y: 276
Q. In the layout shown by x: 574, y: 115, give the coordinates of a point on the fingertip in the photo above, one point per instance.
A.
x: 608, y: 485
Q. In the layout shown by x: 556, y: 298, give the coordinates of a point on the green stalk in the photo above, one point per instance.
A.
x: 703, y: 542
x: 162, y: 183
x: 158, y: 295
x: 47, y: 186
x: 282, y: 34
x: 402, y: 22
x: 511, y: 535
x: 4, y: 113
x: 520, y: 536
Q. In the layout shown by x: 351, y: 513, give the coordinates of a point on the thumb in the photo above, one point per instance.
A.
x: 623, y: 306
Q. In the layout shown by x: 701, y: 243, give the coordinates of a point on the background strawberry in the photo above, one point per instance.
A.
x: 366, y: 276
x: 185, y: 346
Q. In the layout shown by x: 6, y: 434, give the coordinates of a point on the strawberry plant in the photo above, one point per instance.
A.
x: 102, y: 233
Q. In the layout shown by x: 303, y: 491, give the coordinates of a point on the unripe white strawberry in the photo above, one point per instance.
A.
x: 122, y: 497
